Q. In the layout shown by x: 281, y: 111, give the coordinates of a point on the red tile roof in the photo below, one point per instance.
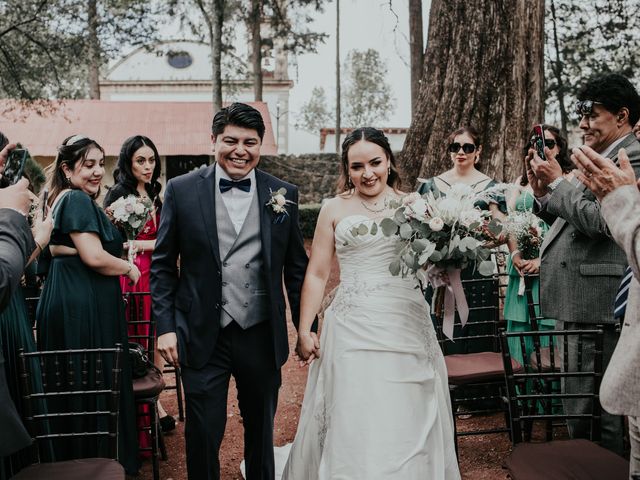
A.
x: 177, y: 128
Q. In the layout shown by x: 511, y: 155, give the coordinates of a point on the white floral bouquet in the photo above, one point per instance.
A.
x: 439, y: 236
x: 130, y: 213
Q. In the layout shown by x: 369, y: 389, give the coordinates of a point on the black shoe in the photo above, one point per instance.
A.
x: 167, y: 423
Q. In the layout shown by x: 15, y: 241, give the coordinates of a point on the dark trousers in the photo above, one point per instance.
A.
x: 248, y: 355
x: 612, y: 432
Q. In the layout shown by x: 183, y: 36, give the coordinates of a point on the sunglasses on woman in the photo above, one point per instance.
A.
x: 466, y: 148
x: 549, y: 143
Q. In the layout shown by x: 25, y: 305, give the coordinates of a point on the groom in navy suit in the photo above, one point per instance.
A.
x: 222, y: 312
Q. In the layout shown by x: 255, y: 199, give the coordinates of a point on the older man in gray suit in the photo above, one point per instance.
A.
x: 581, y: 265
x: 617, y: 191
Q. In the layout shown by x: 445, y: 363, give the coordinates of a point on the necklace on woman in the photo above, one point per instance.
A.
x: 372, y: 206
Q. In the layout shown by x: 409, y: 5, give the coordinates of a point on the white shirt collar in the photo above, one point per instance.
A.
x: 220, y: 173
x: 610, y: 148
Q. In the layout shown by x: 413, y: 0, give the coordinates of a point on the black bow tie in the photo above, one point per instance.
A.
x: 226, y: 185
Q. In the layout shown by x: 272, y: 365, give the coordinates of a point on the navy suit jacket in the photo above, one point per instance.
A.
x: 187, y: 301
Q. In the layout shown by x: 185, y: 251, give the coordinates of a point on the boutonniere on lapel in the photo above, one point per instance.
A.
x: 278, y: 204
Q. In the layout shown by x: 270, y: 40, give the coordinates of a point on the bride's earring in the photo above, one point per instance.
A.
x: 389, y: 170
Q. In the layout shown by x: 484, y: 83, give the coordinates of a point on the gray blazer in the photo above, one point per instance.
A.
x: 620, y: 388
x: 581, y: 266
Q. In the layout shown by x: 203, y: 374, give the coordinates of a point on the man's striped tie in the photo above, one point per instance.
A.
x: 620, y: 305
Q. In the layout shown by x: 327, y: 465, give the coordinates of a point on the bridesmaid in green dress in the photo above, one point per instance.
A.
x: 465, y: 150
x: 81, y: 304
x: 521, y: 199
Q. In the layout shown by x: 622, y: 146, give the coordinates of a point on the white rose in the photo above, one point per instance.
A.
x: 119, y: 213
x: 138, y: 208
x: 280, y: 200
x: 135, y: 223
x: 436, y: 224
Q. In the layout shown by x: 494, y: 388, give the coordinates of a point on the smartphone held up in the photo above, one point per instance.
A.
x: 537, y: 140
x: 14, y: 166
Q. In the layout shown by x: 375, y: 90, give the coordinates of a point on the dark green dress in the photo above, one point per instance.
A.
x: 15, y: 334
x: 80, y: 308
x: 466, y: 274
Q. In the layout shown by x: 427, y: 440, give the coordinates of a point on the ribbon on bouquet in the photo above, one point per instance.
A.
x: 453, y: 296
x: 521, y: 287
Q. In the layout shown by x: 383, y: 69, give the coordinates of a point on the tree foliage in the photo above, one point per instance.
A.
x: 367, y: 95
x: 584, y: 38
x: 45, y: 45
x: 368, y: 98
x: 314, y: 114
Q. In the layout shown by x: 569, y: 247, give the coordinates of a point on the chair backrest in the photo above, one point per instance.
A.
x: 484, y: 322
x: 531, y: 393
x: 140, y: 323
x: 71, y: 397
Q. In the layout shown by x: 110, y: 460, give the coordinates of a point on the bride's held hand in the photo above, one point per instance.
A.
x: 307, y: 347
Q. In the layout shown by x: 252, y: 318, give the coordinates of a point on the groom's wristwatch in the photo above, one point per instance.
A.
x: 553, y: 185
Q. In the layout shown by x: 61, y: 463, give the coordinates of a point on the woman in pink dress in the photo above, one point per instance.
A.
x: 137, y: 174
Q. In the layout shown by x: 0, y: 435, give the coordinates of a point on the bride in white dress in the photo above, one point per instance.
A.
x: 376, y: 405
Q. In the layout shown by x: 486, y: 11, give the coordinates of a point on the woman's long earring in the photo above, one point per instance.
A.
x: 349, y: 182
x: 68, y: 181
x: 389, y: 170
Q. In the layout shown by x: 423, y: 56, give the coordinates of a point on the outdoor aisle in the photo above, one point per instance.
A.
x: 481, y: 456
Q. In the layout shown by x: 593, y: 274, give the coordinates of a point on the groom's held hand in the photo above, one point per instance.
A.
x: 168, y: 348
x: 307, y: 348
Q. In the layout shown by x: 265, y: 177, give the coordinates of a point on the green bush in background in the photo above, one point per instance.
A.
x: 308, y: 215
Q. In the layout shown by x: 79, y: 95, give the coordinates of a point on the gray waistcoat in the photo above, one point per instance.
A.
x: 244, y: 295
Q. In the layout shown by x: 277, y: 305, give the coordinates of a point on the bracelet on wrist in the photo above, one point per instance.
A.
x: 38, y: 245
x: 130, y: 267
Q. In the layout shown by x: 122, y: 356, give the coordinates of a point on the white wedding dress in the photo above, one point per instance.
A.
x: 376, y: 405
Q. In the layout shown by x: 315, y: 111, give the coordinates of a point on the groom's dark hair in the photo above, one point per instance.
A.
x: 240, y: 115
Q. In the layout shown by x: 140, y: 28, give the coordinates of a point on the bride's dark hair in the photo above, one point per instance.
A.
x: 372, y: 135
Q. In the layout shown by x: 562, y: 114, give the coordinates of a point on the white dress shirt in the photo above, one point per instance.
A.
x: 236, y: 200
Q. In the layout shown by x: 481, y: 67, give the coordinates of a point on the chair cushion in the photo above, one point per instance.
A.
x: 465, y: 368
x: 545, y: 359
x: 564, y: 460
x: 82, y: 469
x: 148, y: 386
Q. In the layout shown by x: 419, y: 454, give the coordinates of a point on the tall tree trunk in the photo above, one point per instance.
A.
x: 483, y: 67
x: 256, y: 48
x: 94, y: 50
x: 213, y: 17
x: 416, y: 49
x: 338, y: 77
x: 558, y: 73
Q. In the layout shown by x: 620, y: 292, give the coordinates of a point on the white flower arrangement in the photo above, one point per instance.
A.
x: 445, y: 232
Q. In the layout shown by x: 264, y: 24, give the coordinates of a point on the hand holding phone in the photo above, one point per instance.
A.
x: 537, y: 140
x: 45, y: 197
x: 14, y: 166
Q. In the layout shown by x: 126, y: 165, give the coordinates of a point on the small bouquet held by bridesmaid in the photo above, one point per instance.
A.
x: 130, y: 213
x: 525, y: 228
x: 438, y: 237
